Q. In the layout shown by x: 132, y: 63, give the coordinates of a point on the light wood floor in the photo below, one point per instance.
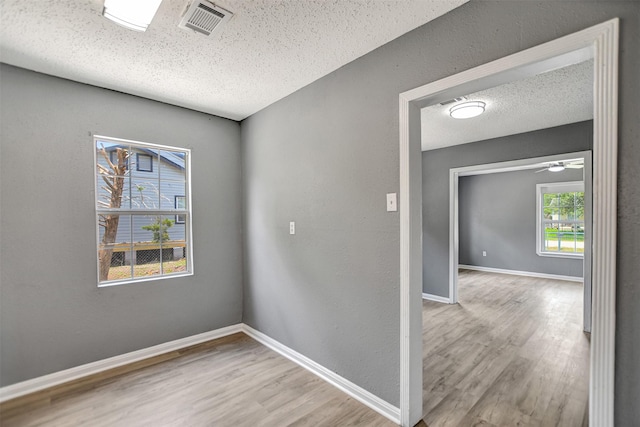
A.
x: 512, y: 353
x: 237, y: 382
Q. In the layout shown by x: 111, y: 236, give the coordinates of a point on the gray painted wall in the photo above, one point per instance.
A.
x: 326, y: 155
x: 53, y: 316
x: 435, y: 185
x: 497, y: 214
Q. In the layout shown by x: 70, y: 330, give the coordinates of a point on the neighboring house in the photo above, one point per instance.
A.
x: 154, y: 180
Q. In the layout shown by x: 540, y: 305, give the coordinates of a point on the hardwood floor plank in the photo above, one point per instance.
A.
x: 236, y: 382
x: 511, y: 353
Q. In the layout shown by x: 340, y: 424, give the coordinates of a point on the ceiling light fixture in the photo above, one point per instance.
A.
x: 556, y: 167
x: 134, y: 15
x: 466, y: 110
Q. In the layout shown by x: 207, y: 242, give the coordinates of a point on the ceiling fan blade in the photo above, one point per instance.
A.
x: 574, y: 166
x: 542, y: 170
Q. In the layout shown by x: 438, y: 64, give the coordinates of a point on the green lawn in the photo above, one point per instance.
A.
x: 568, y: 239
x: 567, y: 236
x: 145, y: 270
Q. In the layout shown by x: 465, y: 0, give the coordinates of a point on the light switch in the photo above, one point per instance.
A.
x: 292, y: 227
x: 484, y: 253
x: 392, y: 202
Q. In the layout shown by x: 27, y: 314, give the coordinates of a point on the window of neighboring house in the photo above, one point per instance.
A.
x: 113, y: 157
x: 180, y: 203
x: 144, y: 162
x: 560, y: 219
x: 143, y: 219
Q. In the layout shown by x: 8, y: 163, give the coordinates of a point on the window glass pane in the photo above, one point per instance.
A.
x: 551, y: 213
x: 180, y: 203
x: 566, y: 199
x: 148, y: 233
x: 113, y: 192
x: 112, y: 175
x: 550, y: 199
x: 566, y: 213
x: 119, y: 158
x: 114, y: 247
x: 173, y: 165
x: 174, y: 253
x: 145, y: 192
x: 170, y: 190
x: 564, y: 237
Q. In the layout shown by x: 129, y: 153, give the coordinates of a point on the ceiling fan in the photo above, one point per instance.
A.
x: 560, y: 166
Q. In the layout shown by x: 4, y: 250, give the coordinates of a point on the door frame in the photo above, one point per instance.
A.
x: 519, y: 165
x: 599, y: 42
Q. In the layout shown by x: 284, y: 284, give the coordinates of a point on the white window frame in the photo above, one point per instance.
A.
x: 186, y: 213
x: 554, y: 187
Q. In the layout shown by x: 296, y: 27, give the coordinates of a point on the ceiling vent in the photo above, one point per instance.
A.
x: 204, y: 17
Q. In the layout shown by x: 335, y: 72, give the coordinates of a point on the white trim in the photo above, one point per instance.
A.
x: 410, y: 264
x: 187, y: 211
x: 51, y: 380
x: 521, y: 273
x: 488, y: 168
x: 601, y: 41
x: 436, y: 298
x: 363, y: 396
x: 71, y: 374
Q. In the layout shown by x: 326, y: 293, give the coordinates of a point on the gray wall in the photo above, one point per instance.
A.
x: 497, y: 214
x: 326, y: 155
x: 53, y: 316
x: 435, y: 185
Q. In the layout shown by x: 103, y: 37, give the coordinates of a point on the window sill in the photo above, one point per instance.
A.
x: 142, y: 279
x: 561, y: 255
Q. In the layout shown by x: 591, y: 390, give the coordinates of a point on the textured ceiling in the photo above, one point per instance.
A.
x: 269, y: 49
x: 550, y: 99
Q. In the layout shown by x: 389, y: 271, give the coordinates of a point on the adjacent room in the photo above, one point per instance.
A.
x: 514, y: 308
x: 201, y: 214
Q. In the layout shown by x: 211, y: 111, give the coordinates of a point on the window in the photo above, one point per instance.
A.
x: 180, y: 203
x: 143, y: 214
x: 144, y: 162
x: 560, y: 219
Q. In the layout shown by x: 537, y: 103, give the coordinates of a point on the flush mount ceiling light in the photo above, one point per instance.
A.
x: 466, y: 110
x: 556, y: 167
x: 134, y: 15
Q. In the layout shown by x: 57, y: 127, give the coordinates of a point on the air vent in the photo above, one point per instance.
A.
x: 204, y: 17
x: 451, y: 101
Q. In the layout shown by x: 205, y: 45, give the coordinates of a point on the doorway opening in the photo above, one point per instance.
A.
x: 512, y: 348
x: 581, y: 236
x: 599, y: 42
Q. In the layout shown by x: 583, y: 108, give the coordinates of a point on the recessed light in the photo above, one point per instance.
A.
x: 134, y: 15
x: 466, y: 110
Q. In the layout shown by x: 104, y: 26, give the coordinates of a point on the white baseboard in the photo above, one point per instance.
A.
x: 61, y: 377
x: 521, y: 273
x: 436, y: 298
x: 46, y: 381
x: 367, y: 398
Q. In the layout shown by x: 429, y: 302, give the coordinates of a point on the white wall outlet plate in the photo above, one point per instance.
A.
x: 392, y: 202
x: 292, y: 227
